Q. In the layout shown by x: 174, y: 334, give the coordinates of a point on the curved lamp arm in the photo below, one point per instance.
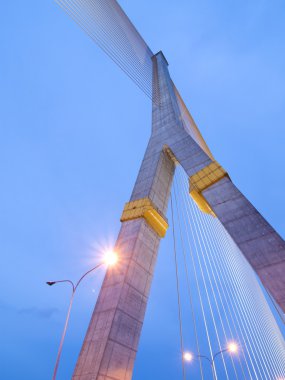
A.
x: 219, y: 353
x: 74, y: 287
x: 204, y: 357
x: 51, y: 283
x: 85, y: 274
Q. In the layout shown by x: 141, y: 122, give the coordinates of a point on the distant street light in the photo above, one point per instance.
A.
x: 188, y: 356
x: 232, y: 348
x: 110, y: 259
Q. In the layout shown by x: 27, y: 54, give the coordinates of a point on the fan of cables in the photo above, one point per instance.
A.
x: 110, y: 28
x: 227, y: 329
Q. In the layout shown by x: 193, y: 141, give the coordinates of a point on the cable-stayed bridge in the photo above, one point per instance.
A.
x: 229, y: 261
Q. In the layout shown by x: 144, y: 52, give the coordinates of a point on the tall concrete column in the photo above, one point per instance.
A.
x: 112, y: 338
x: 262, y: 246
x: 111, y: 342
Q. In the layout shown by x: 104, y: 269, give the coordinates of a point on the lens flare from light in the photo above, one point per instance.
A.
x: 187, y: 356
x: 110, y: 258
x: 232, y: 347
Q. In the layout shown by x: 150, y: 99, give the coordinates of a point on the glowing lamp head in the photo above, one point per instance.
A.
x: 187, y: 356
x: 232, y: 348
x: 110, y: 258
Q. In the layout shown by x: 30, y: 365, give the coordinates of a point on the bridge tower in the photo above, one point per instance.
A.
x: 112, y: 338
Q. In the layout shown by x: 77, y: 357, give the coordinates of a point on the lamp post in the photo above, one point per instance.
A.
x: 110, y: 259
x: 231, y: 348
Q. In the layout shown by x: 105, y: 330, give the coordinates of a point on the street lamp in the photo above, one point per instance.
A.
x: 231, y: 348
x: 110, y: 259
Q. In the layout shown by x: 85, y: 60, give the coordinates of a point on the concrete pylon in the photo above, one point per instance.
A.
x: 111, y: 341
x: 112, y: 338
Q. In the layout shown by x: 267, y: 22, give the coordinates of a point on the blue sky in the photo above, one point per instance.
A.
x: 73, y: 133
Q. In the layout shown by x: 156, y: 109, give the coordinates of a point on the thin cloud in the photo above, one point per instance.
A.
x: 44, y: 313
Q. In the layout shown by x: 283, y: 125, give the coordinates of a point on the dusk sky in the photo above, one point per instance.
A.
x: 74, y: 129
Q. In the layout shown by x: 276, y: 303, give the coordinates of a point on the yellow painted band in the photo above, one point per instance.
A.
x: 203, y: 179
x: 144, y: 208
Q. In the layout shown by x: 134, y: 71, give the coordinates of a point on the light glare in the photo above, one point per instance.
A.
x: 187, y: 356
x: 110, y: 258
x: 233, y: 347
